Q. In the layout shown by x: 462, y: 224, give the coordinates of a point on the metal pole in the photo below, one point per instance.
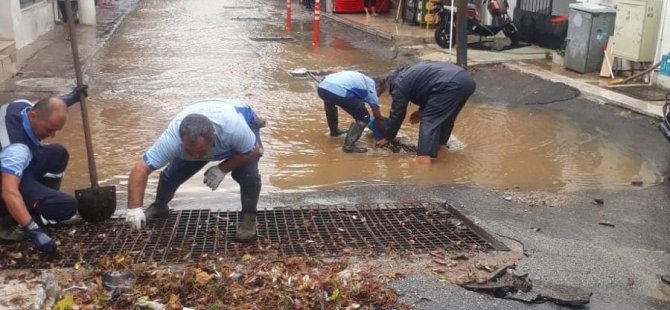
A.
x: 451, y: 30
x: 288, y: 15
x: 82, y: 100
x: 462, y: 36
x: 317, y: 21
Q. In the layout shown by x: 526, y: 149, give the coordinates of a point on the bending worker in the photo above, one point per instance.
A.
x: 223, y: 130
x: 350, y: 90
x: 32, y: 172
x: 440, y: 90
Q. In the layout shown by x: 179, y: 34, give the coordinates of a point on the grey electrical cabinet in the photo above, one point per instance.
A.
x: 589, y: 28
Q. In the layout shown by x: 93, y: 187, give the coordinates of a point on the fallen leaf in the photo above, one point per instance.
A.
x: 173, y: 302
x: 16, y: 255
x: 247, y: 257
x: 334, y: 295
x: 202, y: 278
x: 66, y: 303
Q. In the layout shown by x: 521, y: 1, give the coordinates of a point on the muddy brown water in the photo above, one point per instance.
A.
x: 170, y: 53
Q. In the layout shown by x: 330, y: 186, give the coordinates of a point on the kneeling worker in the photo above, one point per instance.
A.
x: 224, y: 130
x: 31, y: 171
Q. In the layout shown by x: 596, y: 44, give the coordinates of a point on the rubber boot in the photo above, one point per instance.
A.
x: 9, y: 230
x: 354, y: 133
x: 331, y: 117
x: 157, y: 211
x: 246, y: 231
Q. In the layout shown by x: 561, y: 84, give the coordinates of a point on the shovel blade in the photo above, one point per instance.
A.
x: 96, y: 204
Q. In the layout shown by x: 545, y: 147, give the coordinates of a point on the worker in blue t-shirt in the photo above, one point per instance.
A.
x: 350, y: 90
x: 219, y: 130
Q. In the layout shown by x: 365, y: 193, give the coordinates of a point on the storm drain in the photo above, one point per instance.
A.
x: 188, y: 235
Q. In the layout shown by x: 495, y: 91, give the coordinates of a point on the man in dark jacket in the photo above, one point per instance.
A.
x: 32, y: 171
x: 440, y: 90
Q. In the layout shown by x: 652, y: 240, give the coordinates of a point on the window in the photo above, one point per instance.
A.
x: 27, y: 3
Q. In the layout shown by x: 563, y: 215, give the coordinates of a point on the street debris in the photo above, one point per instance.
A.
x: 637, y: 183
x: 598, y: 201
x: 505, y: 284
x: 608, y: 224
x: 398, y: 147
x: 535, y: 229
x: 270, y: 281
x: 535, y: 198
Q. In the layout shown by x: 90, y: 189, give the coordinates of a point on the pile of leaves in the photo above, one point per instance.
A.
x: 263, y: 282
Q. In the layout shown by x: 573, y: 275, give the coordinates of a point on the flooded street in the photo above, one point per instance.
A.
x: 170, y: 53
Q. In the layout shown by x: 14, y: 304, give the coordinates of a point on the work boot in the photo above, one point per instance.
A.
x: 246, y: 231
x: 9, y: 230
x: 157, y: 211
x: 331, y: 117
x: 354, y: 133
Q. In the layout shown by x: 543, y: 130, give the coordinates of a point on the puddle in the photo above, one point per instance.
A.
x: 154, y: 66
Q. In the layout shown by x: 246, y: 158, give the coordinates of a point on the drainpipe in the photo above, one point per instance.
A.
x: 87, y: 12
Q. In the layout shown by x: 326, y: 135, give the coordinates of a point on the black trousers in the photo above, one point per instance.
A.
x: 440, y: 112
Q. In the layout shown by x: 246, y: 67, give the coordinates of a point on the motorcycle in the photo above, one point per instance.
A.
x: 497, y: 9
x: 664, y: 126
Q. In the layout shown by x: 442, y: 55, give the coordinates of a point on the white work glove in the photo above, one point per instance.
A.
x: 135, y: 218
x: 213, y: 177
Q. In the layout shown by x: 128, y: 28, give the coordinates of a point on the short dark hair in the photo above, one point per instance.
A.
x: 379, y: 80
x: 194, y: 126
x: 45, y: 106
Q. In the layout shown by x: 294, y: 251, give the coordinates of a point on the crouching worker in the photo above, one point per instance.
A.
x: 221, y: 130
x: 31, y: 171
x: 350, y: 90
x: 440, y: 90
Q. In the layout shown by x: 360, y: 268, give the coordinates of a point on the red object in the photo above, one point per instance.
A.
x: 288, y: 15
x: 356, y: 6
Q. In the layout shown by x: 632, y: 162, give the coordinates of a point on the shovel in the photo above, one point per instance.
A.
x: 97, y: 203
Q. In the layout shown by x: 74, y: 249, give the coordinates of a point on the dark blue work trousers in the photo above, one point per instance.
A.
x: 178, y: 171
x: 49, y: 162
x: 439, y: 114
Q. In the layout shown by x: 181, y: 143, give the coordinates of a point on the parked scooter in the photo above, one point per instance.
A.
x: 664, y: 126
x: 497, y: 9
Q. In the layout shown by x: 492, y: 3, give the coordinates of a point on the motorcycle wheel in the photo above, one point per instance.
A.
x: 512, y: 33
x: 442, y: 36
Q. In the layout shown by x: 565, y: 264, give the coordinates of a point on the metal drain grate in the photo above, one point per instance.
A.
x: 188, y: 235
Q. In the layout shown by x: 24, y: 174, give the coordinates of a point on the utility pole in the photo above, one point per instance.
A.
x: 462, y: 33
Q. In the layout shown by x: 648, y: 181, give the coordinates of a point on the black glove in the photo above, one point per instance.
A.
x: 80, y: 90
x: 41, y: 241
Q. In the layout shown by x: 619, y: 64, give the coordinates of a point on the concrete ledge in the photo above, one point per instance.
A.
x: 594, y: 92
x: 364, y: 28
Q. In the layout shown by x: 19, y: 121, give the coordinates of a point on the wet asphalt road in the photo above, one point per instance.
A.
x: 619, y: 264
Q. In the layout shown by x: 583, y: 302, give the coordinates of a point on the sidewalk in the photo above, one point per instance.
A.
x: 530, y: 60
x: 45, y: 66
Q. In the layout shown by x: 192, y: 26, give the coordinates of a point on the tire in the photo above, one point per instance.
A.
x: 442, y: 36
x: 512, y: 33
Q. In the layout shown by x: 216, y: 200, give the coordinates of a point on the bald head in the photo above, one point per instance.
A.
x: 47, y: 117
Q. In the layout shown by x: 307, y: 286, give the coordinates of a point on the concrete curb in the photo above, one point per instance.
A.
x: 381, y: 34
x: 593, y: 92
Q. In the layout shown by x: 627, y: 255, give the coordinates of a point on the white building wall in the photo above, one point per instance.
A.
x: 6, y: 21
x: 31, y: 22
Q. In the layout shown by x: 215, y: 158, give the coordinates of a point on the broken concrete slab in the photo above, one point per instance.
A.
x: 23, y: 289
x: 561, y: 294
x: 521, y: 288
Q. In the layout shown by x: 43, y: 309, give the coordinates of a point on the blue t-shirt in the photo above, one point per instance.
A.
x: 16, y: 157
x: 232, y: 133
x: 352, y: 84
